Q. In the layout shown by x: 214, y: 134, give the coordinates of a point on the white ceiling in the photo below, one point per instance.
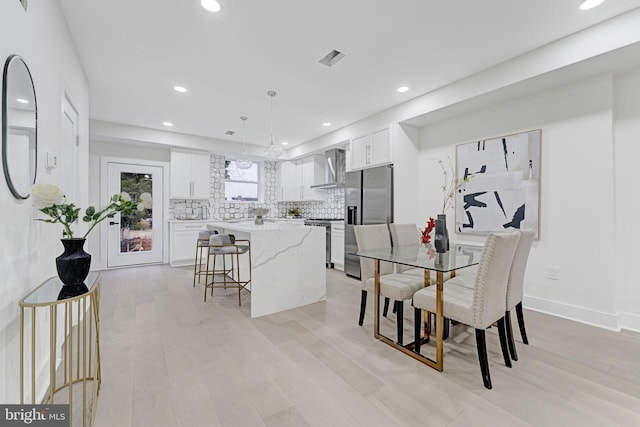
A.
x: 134, y: 52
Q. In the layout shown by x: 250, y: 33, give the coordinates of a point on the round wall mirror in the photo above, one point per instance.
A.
x: 19, y: 127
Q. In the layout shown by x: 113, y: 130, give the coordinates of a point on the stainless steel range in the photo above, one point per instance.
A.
x: 326, y: 223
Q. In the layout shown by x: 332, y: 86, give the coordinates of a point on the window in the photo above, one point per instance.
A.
x: 241, y: 184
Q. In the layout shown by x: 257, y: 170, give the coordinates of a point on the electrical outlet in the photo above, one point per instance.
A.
x: 553, y: 272
x: 51, y: 161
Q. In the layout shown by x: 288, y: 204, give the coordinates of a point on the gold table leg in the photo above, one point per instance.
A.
x: 436, y: 364
x: 376, y: 299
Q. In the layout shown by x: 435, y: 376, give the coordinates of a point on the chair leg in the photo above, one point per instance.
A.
x: 363, y: 305
x: 206, y: 283
x: 394, y: 309
x: 445, y: 332
x: 481, y: 344
x: 445, y: 326
x: 503, y: 342
x: 400, y: 318
x: 196, y: 267
x: 224, y: 269
x: 385, y: 310
x: 213, y: 277
x: 520, y: 314
x: 510, y: 341
x: 238, y: 277
x: 417, y: 326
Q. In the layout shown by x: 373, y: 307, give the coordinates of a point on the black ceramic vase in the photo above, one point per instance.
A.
x: 441, y: 235
x: 70, y: 291
x: 73, y: 265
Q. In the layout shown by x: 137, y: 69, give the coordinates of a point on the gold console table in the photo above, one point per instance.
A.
x: 72, y: 326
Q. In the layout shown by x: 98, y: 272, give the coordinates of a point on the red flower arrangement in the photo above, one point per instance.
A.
x: 426, y: 233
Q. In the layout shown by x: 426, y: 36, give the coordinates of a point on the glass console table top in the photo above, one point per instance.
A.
x: 425, y: 256
x: 49, y: 291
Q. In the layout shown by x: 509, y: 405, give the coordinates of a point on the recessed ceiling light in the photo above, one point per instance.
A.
x: 284, y: 143
x: 590, y: 4
x: 180, y: 89
x: 403, y: 89
x: 210, y: 5
x: 326, y: 124
x: 22, y: 100
x: 168, y: 124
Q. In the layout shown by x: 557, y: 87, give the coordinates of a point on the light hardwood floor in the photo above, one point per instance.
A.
x: 169, y: 359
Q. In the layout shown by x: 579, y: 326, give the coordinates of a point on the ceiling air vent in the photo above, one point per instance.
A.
x: 331, y: 58
x: 230, y: 132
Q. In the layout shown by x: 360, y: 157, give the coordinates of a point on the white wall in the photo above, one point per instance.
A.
x: 585, y: 180
x: 406, y: 183
x: 28, y: 249
x: 627, y: 152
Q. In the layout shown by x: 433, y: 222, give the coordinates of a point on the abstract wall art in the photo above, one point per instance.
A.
x: 502, y: 191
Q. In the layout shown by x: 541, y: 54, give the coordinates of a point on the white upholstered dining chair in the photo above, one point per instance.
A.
x: 515, y: 288
x: 480, y: 306
x: 405, y: 234
x: 396, y: 286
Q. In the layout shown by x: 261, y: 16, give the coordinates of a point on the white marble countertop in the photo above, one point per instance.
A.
x: 249, y: 226
x: 286, y: 260
x: 236, y: 221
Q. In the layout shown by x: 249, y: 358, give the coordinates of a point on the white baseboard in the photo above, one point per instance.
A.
x: 629, y: 321
x: 572, y: 312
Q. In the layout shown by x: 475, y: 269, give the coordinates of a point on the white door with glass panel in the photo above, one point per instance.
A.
x: 135, y: 238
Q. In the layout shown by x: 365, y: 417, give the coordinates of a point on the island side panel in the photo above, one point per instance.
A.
x: 288, y: 269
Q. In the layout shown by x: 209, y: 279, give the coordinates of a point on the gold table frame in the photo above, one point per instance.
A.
x: 417, y: 256
x: 80, y: 360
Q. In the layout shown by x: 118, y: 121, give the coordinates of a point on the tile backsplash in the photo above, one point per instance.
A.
x: 187, y: 208
x: 331, y: 207
x: 218, y: 208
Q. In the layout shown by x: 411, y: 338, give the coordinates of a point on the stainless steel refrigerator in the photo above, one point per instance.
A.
x: 368, y: 200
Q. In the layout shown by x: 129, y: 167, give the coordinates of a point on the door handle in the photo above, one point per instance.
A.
x: 113, y: 223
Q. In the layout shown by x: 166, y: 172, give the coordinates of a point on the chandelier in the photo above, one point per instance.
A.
x: 272, y: 151
x: 243, y: 162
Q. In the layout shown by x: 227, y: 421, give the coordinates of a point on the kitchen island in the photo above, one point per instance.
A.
x: 287, y: 260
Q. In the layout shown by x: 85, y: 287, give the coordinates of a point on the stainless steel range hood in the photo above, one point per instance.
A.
x: 333, y: 169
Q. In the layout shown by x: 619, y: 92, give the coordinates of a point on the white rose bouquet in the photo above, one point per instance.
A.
x: 53, y: 202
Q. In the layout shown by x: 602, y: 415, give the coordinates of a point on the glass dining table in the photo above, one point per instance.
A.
x: 424, y: 257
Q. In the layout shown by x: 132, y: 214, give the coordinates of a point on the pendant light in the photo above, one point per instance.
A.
x: 243, y: 162
x: 272, y: 151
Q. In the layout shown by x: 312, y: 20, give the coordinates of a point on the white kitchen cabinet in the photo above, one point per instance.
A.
x: 288, y: 182
x: 312, y: 174
x: 337, y: 245
x: 372, y: 149
x: 296, y: 177
x: 189, y: 175
x: 380, y: 151
x: 182, y: 242
x: 359, y: 149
